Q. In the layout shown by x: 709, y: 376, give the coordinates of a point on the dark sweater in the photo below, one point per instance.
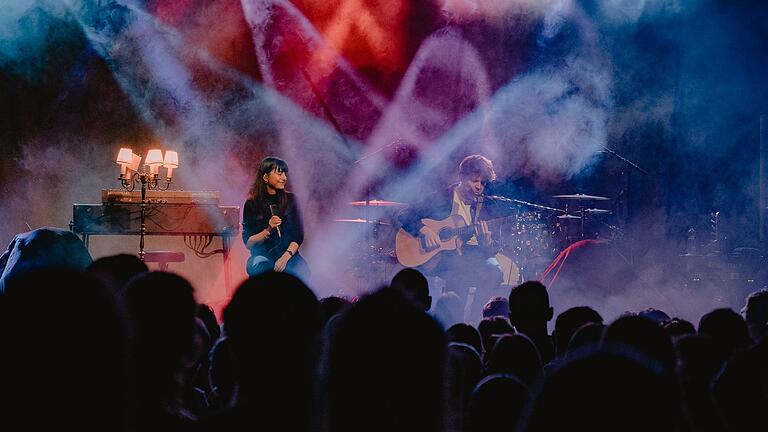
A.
x: 256, y: 217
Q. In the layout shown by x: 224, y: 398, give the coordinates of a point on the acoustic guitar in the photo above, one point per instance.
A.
x: 412, y: 251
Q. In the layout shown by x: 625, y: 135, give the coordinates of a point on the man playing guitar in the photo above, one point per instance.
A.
x: 449, y: 233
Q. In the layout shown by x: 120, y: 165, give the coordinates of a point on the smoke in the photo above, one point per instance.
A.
x: 547, y: 123
x: 499, y: 9
x: 18, y: 45
x: 539, y: 87
x: 617, y: 13
x: 159, y: 73
x: 678, y: 113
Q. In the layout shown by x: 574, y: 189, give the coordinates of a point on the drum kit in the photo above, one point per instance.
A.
x: 370, y: 262
x: 533, y: 238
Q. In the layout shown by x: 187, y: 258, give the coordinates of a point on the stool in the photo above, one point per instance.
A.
x: 162, y: 258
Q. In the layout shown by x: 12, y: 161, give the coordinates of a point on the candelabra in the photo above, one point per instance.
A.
x: 130, y: 176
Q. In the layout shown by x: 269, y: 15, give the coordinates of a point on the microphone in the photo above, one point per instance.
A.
x: 273, y: 210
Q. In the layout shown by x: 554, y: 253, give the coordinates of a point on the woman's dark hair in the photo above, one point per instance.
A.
x: 258, y: 190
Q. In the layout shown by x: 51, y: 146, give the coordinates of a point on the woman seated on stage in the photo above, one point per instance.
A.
x: 272, y: 228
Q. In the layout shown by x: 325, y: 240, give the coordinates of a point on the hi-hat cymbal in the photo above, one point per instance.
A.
x: 376, y: 222
x: 377, y: 203
x: 568, y: 216
x: 581, y: 197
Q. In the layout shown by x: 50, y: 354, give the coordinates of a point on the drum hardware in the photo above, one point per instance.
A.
x: 582, y: 213
x: 370, y: 260
x: 374, y: 222
x: 529, y: 242
x: 581, y: 197
x: 376, y: 203
x: 376, y: 215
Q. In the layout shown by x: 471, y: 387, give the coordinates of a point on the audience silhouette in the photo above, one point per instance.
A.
x: 585, y: 338
x: 465, y: 333
x: 332, y: 306
x: 463, y: 371
x: 699, y: 358
x: 727, y: 328
x: 272, y: 325
x: 491, y: 329
x: 643, y: 336
x: 109, y: 345
x: 414, y: 287
x: 529, y: 313
x: 568, y: 322
x: 64, y: 361
x: 384, y: 369
x: 605, y: 390
x: 497, y: 403
x: 115, y: 271
x: 740, y: 391
x: 755, y: 312
x: 496, y: 306
x: 515, y: 355
x: 161, y: 310
x: 677, y: 328
x: 43, y: 248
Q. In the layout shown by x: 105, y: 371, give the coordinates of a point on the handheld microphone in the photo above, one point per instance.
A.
x: 273, y: 210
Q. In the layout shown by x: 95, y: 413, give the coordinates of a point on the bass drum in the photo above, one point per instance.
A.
x: 530, y: 243
x: 532, y: 236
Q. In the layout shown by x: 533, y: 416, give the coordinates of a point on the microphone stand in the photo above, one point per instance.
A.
x: 372, y: 227
x: 368, y: 186
x: 377, y: 151
x: 517, y: 201
x: 625, y: 160
x: 626, y: 192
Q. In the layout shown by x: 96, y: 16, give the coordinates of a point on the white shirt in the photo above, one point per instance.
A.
x: 464, y: 210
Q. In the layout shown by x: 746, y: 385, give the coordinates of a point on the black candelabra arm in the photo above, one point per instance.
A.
x: 129, y: 182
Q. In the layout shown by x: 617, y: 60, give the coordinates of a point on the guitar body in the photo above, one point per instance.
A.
x: 411, y: 251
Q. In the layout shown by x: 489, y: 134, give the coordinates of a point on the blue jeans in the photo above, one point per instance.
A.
x: 296, y: 266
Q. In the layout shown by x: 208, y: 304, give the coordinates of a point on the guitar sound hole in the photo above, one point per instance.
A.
x: 445, y: 234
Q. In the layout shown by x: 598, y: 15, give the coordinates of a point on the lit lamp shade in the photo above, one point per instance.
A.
x: 124, y: 159
x: 125, y: 156
x: 154, y: 159
x: 135, y: 162
x: 171, y: 161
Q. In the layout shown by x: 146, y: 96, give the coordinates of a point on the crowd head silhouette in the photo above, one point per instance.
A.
x: 113, y: 346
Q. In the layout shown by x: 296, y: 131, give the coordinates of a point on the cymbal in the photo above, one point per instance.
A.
x: 581, y: 197
x: 568, y: 216
x: 375, y: 222
x: 377, y: 203
x: 596, y: 211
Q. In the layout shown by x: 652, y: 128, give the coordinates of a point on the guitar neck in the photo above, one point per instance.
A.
x: 492, y: 224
